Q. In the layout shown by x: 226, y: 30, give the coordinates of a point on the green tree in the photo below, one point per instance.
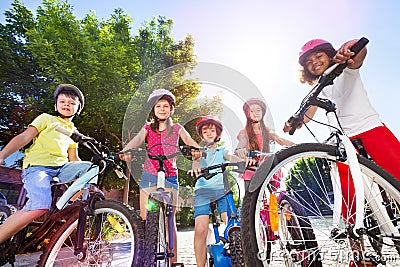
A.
x: 24, y: 85
x: 313, y: 173
x: 102, y: 57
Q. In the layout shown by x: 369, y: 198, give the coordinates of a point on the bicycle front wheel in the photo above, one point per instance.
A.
x: 156, y: 245
x: 313, y: 222
x: 113, y: 237
x: 235, y: 247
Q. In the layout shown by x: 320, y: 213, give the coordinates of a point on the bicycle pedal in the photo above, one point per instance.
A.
x: 177, y: 264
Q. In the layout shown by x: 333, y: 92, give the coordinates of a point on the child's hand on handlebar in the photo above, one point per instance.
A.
x: 288, y: 125
x: 241, y: 152
x: 196, y: 168
x: 194, y: 172
x: 251, y: 162
x: 126, y: 156
x: 196, y: 154
x: 345, y: 55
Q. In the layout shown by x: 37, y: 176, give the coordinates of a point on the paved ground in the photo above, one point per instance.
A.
x: 185, y: 251
x: 185, y: 247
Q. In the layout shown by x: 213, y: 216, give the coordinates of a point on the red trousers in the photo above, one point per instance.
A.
x: 384, y: 149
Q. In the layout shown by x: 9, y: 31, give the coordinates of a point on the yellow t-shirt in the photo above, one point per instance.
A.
x: 49, y: 148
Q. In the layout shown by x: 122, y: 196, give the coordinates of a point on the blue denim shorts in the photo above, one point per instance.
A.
x: 149, y: 180
x: 203, y: 198
x: 37, y: 181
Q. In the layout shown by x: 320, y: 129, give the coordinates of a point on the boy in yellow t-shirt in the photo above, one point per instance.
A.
x: 51, y: 154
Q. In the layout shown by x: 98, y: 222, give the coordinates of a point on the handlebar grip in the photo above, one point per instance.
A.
x: 356, y: 48
x: 63, y: 131
x: 295, y: 123
x: 75, y: 136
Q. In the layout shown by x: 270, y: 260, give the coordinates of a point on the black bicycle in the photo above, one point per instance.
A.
x: 160, y: 218
x: 82, y: 228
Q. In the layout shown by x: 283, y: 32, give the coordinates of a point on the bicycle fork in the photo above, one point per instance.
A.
x: 86, y: 208
x: 373, y: 197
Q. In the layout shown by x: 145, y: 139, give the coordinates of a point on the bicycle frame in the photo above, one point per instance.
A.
x: 218, y: 251
x: 162, y: 196
x: 358, y: 178
x: 55, y: 214
x: 345, y: 150
x: 63, y: 208
x: 165, y: 198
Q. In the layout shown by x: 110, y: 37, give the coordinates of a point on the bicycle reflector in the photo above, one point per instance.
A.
x: 115, y: 224
x: 273, y: 212
x: 151, y: 205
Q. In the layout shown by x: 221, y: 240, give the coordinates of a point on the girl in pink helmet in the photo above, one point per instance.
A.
x: 256, y: 135
x: 160, y: 130
x: 356, y: 114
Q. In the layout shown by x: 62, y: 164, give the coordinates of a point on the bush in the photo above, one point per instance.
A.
x: 185, y: 217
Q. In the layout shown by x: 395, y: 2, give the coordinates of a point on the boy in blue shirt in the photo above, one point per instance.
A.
x: 210, y: 130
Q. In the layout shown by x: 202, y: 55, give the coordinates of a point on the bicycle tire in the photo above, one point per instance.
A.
x: 7, y: 247
x: 315, y: 197
x: 235, y: 248
x: 156, y: 246
x: 119, y: 243
x: 294, y: 217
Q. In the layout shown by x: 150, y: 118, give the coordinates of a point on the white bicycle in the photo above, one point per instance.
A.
x: 349, y: 226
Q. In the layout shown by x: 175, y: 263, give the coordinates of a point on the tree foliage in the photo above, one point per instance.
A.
x: 24, y: 85
x: 103, y: 57
x: 312, y: 173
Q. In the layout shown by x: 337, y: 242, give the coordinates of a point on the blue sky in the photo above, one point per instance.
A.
x: 261, y: 39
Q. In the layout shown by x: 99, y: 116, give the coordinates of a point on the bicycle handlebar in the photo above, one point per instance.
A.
x: 89, y: 143
x: 205, y: 172
x: 325, y: 79
x: 184, y: 150
x: 76, y: 136
x: 257, y: 153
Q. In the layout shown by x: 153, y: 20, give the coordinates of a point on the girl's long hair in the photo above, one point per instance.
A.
x: 251, y: 136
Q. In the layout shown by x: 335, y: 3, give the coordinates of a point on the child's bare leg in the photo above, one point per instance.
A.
x: 200, y: 239
x: 144, y: 196
x: 17, y: 222
x: 175, y: 248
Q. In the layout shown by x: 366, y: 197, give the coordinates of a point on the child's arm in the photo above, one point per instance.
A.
x: 233, y: 158
x: 186, y: 138
x: 281, y: 141
x: 18, y: 142
x: 73, y: 154
x: 136, y: 141
x: 343, y: 54
x: 241, y: 150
